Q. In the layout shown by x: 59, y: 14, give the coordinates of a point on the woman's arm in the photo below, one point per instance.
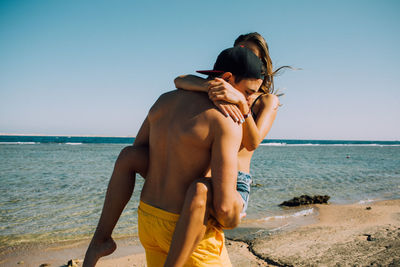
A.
x: 195, y: 83
x: 255, y: 131
x: 191, y: 83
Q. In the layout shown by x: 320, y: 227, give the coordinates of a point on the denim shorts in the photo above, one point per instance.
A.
x: 243, y: 187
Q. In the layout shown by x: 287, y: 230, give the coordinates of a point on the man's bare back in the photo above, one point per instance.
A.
x: 183, y: 130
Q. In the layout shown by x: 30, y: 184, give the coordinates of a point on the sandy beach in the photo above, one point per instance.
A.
x: 345, y: 235
x: 342, y: 235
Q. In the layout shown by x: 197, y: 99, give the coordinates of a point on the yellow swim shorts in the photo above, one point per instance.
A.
x: 156, y: 227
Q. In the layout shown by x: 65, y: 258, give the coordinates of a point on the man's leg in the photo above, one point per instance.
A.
x: 130, y: 160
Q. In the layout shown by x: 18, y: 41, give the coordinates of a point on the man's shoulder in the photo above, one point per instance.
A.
x: 221, y: 123
x: 166, y: 95
x: 164, y: 99
x: 180, y: 100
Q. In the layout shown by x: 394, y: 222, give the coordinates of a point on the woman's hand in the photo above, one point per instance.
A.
x: 220, y: 90
x: 230, y: 110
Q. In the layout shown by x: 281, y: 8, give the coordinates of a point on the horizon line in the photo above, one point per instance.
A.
x: 131, y: 136
x: 74, y: 135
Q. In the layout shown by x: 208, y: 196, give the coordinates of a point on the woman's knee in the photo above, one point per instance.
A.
x: 133, y: 159
x: 200, y: 193
x: 124, y: 156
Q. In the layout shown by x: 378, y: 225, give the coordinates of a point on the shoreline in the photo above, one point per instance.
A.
x: 368, y: 233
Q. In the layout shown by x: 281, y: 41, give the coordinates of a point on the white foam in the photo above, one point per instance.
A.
x: 365, y: 201
x: 309, y: 144
x: 379, y: 145
x: 297, y: 214
x: 273, y: 144
x: 279, y: 228
x: 18, y: 143
x: 74, y: 144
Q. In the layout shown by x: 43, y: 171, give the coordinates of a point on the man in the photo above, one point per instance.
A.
x: 187, y: 136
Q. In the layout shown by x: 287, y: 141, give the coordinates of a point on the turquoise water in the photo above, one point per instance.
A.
x: 348, y: 174
x: 55, y: 191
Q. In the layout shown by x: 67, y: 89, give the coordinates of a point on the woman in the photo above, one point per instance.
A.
x: 256, y: 113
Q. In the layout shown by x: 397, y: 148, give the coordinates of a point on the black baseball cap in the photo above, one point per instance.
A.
x: 240, y: 61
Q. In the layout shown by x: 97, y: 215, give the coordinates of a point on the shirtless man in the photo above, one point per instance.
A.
x: 187, y: 136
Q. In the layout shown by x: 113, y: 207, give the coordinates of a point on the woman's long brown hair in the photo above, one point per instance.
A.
x: 256, y: 38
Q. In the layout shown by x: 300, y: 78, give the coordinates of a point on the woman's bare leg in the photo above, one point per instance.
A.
x: 192, y: 223
x: 120, y: 188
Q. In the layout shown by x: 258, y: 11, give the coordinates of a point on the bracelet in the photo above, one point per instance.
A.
x: 245, y: 116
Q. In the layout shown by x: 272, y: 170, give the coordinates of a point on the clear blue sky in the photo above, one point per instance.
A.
x: 95, y: 67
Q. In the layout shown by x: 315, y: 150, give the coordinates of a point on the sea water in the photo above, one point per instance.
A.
x: 52, y: 188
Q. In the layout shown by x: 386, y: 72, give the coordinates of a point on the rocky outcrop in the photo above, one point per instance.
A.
x: 306, y: 200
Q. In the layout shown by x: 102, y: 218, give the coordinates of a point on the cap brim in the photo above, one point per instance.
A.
x: 210, y: 72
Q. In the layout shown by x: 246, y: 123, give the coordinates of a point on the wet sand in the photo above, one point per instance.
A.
x: 342, y: 235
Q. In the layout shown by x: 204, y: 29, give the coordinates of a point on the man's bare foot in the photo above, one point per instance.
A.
x: 98, y: 249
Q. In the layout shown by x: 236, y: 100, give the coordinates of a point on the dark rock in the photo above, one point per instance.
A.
x: 20, y: 262
x: 306, y: 200
x: 368, y: 208
x: 44, y: 265
x: 369, y: 237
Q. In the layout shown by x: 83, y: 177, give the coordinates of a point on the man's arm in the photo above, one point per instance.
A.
x: 224, y: 161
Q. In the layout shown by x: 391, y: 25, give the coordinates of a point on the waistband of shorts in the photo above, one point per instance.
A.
x: 244, y: 174
x: 157, y: 212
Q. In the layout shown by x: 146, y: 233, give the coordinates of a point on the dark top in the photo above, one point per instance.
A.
x: 252, y: 106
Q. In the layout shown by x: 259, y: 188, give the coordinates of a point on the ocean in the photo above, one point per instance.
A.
x: 52, y: 188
